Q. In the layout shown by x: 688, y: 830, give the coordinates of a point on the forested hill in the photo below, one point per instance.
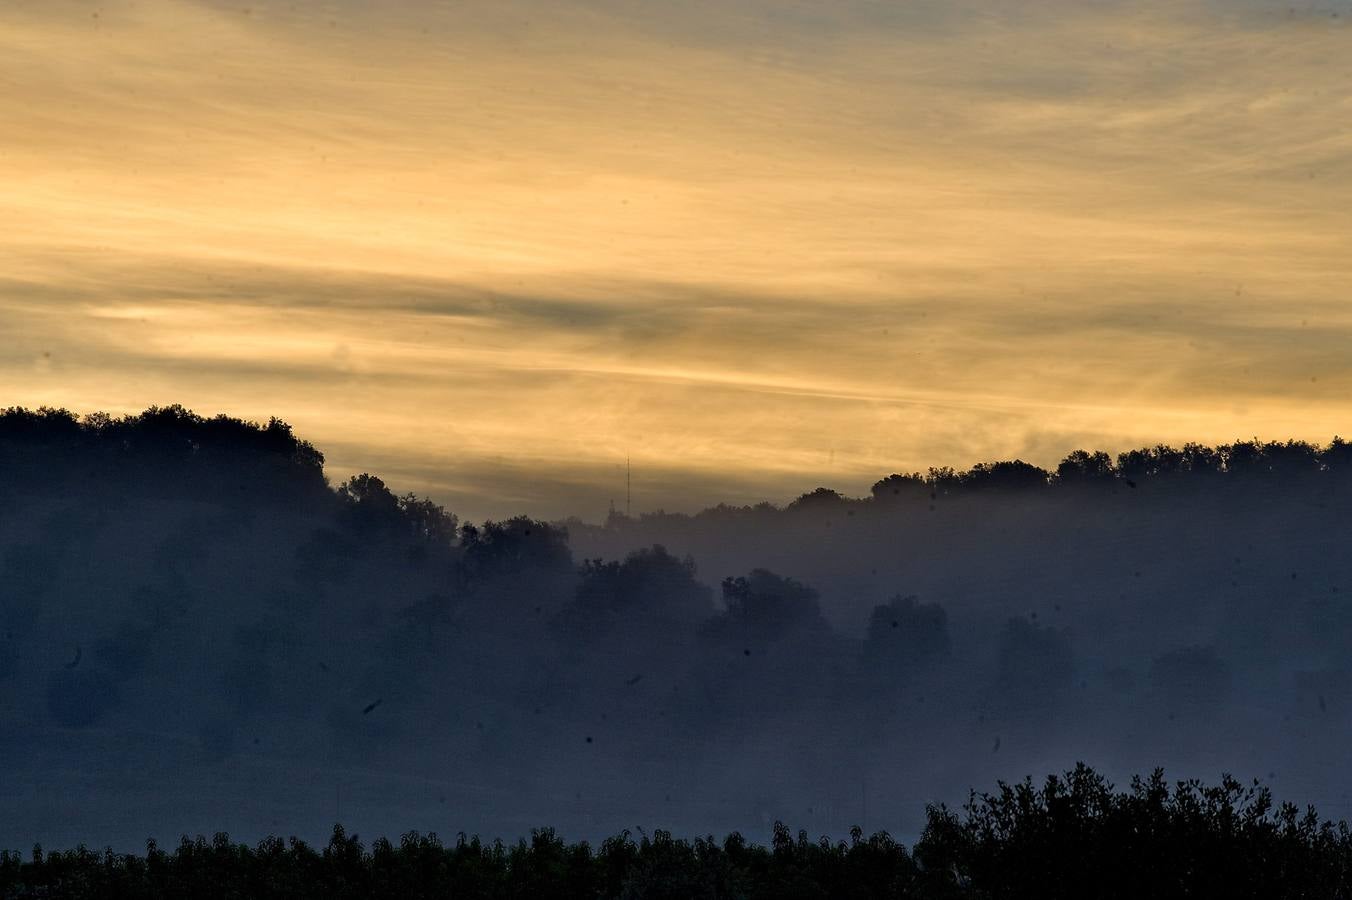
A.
x: 187, y: 454
x: 200, y: 632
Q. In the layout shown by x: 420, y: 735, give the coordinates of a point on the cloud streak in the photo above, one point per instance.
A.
x: 756, y: 243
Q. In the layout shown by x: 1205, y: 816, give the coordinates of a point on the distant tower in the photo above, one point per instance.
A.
x: 628, y: 494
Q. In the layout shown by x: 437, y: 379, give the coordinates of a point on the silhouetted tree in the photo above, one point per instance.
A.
x: 1015, y: 475
x: 819, y: 499
x: 1337, y: 456
x: 900, y: 488
x: 942, y: 480
x: 1077, y: 837
x: 515, y: 545
x: 767, y: 606
x: 372, y: 503
x: 650, y: 583
x: 1082, y: 467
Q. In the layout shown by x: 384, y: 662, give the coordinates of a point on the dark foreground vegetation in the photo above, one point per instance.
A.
x: 1074, y: 837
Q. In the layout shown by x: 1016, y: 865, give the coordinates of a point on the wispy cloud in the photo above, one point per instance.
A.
x: 775, y: 242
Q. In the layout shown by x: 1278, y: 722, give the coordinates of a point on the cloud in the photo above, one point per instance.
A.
x: 756, y: 243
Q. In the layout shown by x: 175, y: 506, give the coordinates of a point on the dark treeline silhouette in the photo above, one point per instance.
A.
x: 163, y: 451
x: 176, y: 448
x: 196, y: 620
x: 1074, y: 836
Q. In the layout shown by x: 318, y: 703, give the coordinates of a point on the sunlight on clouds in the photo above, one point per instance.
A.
x: 749, y: 244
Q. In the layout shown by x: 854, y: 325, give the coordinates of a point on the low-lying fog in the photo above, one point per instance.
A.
x: 200, y: 634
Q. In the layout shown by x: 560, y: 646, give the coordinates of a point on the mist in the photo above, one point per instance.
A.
x: 201, y: 632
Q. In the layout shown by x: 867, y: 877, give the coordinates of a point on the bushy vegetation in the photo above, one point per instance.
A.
x: 1074, y: 836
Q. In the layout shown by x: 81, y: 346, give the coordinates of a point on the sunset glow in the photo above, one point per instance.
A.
x: 491, y: 249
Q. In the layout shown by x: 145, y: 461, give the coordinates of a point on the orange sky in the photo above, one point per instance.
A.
x: 488, y: 249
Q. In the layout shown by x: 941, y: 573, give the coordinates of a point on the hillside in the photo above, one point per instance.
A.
x: 201, y: 633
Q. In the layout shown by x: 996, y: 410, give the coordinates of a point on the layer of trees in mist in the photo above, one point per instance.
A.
x: 189, y: 602
x: 1072, y: 837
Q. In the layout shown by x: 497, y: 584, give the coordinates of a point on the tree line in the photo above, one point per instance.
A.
x: 182, y: 450
x: 1073, y: 836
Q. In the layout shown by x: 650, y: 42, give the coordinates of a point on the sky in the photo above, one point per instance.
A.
x: 491, y: 249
